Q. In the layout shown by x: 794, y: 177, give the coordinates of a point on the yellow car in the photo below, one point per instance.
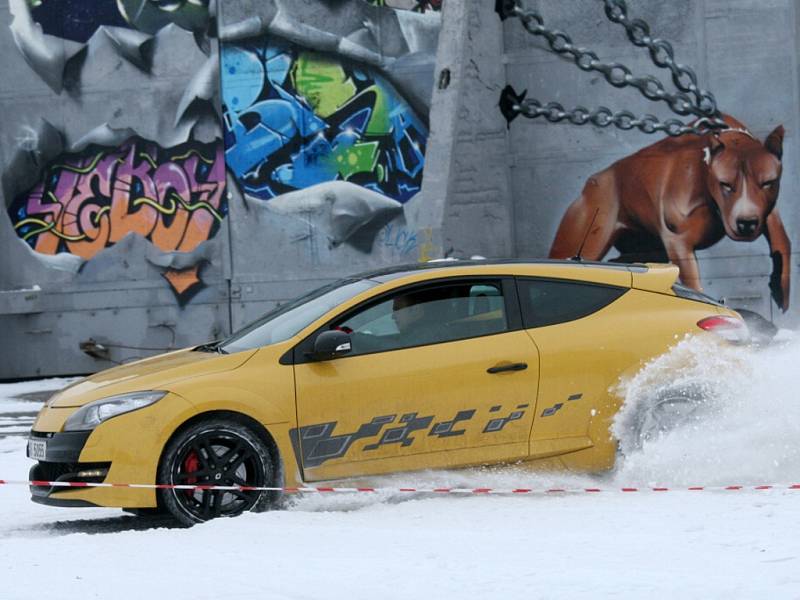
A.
x: 441, y: 365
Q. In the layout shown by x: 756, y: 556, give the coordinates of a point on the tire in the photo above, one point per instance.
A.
x: 215, y: 452
x: 670, y: 409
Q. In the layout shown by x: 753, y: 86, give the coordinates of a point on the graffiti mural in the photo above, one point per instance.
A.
x: 77, y: 20
x: 127, y: 118
x: 294, y: 118
x: 690, y: 197
x: 88, y: 201
x: 680, y: 195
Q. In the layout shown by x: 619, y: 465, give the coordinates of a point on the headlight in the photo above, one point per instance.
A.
x: 90, y: 416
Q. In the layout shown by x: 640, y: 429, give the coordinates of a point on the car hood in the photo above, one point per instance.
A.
x: 155, y: 373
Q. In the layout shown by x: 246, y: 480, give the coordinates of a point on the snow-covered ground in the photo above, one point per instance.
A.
x: 710, y: 544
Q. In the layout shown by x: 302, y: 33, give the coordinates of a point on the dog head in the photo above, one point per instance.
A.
x: 743, y: 177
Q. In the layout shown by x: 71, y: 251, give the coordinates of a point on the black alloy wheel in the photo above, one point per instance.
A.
x: 216, y: 453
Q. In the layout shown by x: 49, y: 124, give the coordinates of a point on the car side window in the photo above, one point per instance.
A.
x: 548, y: 301
x: 429, y: 315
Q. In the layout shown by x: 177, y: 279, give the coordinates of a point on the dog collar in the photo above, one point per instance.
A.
x: 737, y: 130
x: 707, y: 150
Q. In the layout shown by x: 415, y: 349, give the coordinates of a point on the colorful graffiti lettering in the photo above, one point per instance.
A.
x: 77, y: 20
x: 86, y: 202
x: 295, y: 118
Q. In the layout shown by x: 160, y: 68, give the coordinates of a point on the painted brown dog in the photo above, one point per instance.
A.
x: 683, y: 194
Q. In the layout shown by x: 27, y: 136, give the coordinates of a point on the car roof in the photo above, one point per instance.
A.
x: 395, y: 272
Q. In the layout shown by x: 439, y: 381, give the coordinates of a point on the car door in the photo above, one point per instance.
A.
x: 456, y: 388
x: 573, y: 324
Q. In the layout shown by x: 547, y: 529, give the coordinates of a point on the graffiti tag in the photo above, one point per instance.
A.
x: 88, y: 201
x: 400, y: 239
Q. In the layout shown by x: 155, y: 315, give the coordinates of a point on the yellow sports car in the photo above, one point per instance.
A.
x: 446, y: 364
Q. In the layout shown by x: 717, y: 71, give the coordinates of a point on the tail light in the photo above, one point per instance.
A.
x: 729, y: 328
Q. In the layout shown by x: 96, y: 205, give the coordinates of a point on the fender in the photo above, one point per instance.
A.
x: 279, y: 408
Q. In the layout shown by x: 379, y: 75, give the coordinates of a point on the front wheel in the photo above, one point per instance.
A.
x: 219, y: 453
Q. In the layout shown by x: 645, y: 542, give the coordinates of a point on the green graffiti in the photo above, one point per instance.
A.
x: 322, y: 82
x: 380, y: 122
x: 358, y: 158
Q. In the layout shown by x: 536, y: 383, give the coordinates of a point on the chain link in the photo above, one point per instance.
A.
x: 689, y: 100
x: 662, y: 55
x: 604, y: 117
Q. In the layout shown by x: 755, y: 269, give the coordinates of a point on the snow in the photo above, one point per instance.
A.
x: 746, y: 432
x: 10, y: 393
x: 710, y: 544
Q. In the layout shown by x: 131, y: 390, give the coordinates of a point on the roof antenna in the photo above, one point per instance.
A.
x: 578, y: 256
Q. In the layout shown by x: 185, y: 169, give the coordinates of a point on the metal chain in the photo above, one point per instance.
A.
x: 690, y: 100
x: 662, y: 55
x: 604, y: 117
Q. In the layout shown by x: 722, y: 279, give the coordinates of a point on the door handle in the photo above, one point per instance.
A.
x: 521, y: 366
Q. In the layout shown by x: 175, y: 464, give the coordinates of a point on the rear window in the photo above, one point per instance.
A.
x: 689, y: 294
x: 548, y: 301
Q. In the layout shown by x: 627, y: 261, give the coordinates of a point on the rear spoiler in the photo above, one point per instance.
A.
x: 657, y: 278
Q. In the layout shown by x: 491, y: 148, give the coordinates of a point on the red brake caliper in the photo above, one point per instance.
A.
x: 190, y: 465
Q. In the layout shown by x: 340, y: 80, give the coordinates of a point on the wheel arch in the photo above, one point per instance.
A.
x: 254, y: 425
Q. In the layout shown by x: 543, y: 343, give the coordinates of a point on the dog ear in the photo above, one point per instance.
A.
x: 715, y: 146
x: 774, y: 141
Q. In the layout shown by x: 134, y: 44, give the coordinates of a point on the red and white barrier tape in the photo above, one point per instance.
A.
x: 411, y: 490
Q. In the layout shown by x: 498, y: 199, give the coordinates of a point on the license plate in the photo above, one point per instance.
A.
x: 37, y: 449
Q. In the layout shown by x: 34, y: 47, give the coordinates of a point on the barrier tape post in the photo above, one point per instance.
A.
x: 412, y: 490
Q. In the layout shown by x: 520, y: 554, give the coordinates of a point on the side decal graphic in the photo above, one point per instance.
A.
x: 445, y: 428
x: 400, y: 435
x: 497, y: 424
x: 549, y: 412
x: 315, y: 444
x: 319, y: 444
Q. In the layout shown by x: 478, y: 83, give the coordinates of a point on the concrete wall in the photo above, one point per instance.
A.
x: 203, y: 257
x: 120, y: 276
x: 132, y: 218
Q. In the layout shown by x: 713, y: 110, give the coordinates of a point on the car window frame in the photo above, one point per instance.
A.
x: 282, y: 309
x: 298, y: 353
x: 523, y: 278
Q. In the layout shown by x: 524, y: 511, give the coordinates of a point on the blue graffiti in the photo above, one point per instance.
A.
x: 399, y: 239
x: 294, y: 118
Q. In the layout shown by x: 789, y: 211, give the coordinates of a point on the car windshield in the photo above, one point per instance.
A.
x: 288, y: 319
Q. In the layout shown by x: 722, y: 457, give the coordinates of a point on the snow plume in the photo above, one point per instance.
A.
x: 741, y: 426
x: 744, y: 429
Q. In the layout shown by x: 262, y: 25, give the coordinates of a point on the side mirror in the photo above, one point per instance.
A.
x: 331, y: 344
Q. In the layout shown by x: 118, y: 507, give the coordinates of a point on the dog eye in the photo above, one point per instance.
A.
x: 768, y: 184
x: 726, y: 186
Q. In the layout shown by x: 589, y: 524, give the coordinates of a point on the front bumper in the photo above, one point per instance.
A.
x: 128, y: 445
x: 61, y: 463
x: 61, y: 447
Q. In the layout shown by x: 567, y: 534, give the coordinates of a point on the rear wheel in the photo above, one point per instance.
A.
x: 670, y: 409
x: 215, y: 453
